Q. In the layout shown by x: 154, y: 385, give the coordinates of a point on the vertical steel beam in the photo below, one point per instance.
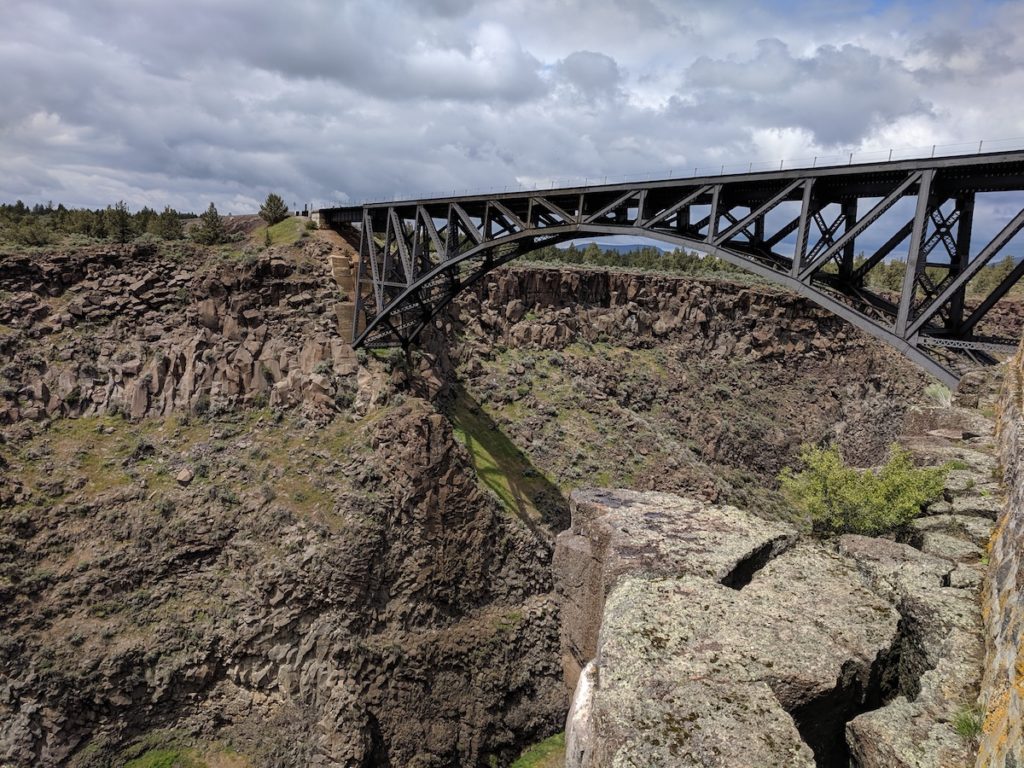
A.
x: 713, y: 216
x: 958, y: 263
x: 801, y: 231
x: 397, y: 226
x: 846, y: 260
x: 640, y: 209
x: 371, y: 252
x: 385, y: 273
x: 451, y: 233
x: 924, y: 193
x: 360, y: 277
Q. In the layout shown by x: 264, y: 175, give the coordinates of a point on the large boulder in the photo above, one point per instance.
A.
x: 696, y: 664
x: 617, y: 532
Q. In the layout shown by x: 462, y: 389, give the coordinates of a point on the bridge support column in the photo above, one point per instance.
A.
x: 683, y: 219
x: 959, y: 262
x: 713, y: 216
x: 846, y: 258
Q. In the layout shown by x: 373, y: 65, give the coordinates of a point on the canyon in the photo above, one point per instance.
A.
x: 230, y: 539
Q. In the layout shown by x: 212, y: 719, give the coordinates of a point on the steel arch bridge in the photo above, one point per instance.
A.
x: 798, y: 228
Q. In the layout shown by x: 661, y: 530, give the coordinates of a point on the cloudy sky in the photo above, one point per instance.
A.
x: 342, y: 100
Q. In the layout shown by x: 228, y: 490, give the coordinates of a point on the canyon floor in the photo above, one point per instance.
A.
x: 228, y: 539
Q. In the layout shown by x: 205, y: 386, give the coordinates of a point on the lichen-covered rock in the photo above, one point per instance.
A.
x: 934, y: 585
x: 1002, y: 742
x: 694, y: 667
x: 615, y: 532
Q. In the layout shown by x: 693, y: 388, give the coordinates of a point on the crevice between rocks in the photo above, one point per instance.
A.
x: 895, y: 671
x: 744, y: 571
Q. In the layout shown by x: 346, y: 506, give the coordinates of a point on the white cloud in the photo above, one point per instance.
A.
x: 183, y: 103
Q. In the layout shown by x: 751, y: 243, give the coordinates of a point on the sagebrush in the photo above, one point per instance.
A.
x: 841, y: 499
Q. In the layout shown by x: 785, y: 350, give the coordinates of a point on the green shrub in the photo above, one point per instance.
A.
x: 842, y: 499
x: 32, y: 232
x: 210, y: 230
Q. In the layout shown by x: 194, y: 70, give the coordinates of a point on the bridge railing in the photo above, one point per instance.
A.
x: 851, y: 157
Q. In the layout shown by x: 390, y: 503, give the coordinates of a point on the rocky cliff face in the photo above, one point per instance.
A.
x: 187, y: 565
x: 227, y: 537
x: 1002, y: 744
x: 675, y: 384
x: 135, y: 329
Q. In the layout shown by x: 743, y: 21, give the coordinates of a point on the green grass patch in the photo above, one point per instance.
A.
x: 968, y: 723
x: 167, y: 758
x: 500, y: 465
x: 284, y: 232
x: 549, y: 753
x: 172, y: 749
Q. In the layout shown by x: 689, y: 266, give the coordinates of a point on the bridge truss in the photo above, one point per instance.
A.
x: 802, y: 229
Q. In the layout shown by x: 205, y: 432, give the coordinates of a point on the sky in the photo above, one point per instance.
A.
x: 340, y: 101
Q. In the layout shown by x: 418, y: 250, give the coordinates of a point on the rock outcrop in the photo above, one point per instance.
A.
x: 1002, y: 744
x: 127, y: 328
x: 549, y: 308
x: 618, y: 533
x: 694, y: 667
x: 712, y: 638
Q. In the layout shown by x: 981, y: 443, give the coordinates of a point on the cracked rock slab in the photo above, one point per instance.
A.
x: 691, y: 673
x: 618, y: 532
x: 687, y: 671
x: 940, y: 656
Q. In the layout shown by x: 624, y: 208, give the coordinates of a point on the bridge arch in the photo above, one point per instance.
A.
x: 482, y: 253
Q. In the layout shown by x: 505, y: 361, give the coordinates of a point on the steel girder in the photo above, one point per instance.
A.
x: 415, y: 256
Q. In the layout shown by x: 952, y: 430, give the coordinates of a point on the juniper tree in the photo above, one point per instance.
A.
x: 211, y: 228
x: 167, y: 225
x: 119, y: 222
x: 273, y: 210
